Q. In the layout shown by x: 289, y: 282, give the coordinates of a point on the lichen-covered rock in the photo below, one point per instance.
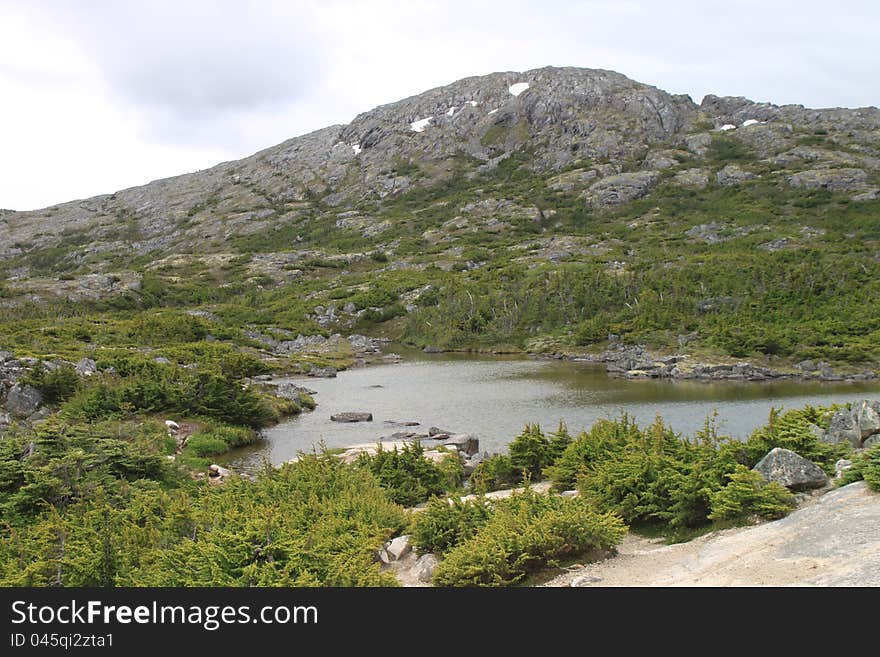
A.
x: 866, y: 414
x: 620, y: 189
x: 842, y: 428
x: 856, y: 426
x: 666, y: 159
x: 398, y: 547
x: 352, y: 416
x: 733, y: 175
x: 424, y: 567
x: 791, y: 470
x: 692, y: 178
x: 573, y: 180
x: 870, y: 195
x: 463, y: 442
x: 323, y: 372
x: 23, y: 400
x: 698, y: 144
x: 86, y: 367
x: 847, y: 180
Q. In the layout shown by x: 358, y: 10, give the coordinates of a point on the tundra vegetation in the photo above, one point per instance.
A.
x: 100, y: 504
x: 548, y: 222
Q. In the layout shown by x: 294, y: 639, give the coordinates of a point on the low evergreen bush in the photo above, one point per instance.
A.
x: 526, y: 532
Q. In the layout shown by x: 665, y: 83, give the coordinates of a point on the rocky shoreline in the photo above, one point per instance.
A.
x: 636, y: 362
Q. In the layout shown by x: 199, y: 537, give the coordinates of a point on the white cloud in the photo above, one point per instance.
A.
x: 102, y: 95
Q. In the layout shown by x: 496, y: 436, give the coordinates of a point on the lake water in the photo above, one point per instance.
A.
x: 492, y: 398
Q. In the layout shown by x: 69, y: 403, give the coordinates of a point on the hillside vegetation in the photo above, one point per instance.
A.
x: 588, y: 205
x: 583, y: 211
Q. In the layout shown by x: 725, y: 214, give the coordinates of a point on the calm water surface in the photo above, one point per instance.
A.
x: 493, y: 397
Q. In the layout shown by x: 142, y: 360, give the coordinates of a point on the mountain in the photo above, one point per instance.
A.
x: 571, y: 203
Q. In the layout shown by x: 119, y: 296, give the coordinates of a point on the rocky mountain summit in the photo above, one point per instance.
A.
x: 629, y: 135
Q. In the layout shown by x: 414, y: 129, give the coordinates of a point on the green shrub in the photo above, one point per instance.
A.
x: 526, y: 532
x: 792, y: 430
x: 748, y: 494
x: 161, y: 328
x: 447, y: 522
x: 219, y: 356
x: 495, y: 473
x: 452, y: 470
x: 206, y: 445
x: 603, y: 438
x: 70, y: 460
x: 636, y: 481
x: 528, y: 452
x: 725, y: 148
x: 163, y: 388
x: 653, y: 476
x: 383, y: 315
x: 865, y: 466
x: 56, y: 385
x: 406, y: 474
x: 318, y: 522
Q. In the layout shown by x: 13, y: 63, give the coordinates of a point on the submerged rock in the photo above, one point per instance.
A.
x: 352, y: 416
x: 463, y: 442
x: 323, y: 372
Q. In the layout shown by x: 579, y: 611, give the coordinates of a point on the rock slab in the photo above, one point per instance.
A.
x: 791, y: 470
x: 23, y: 400
x: 424, y: 567
x: 352, y: 416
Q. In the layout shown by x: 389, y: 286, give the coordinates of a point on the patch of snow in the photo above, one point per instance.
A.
x: 749, y: 122
x: 493, y: 111
x: 421, y: 124
x: 473, y: 103
x: 727, y: 126
x: 451, y: 110
x: 518, y: 88
x: 356, y: 148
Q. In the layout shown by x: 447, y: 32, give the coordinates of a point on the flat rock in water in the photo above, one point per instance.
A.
x: 791, y: 470
x: 352, y: 416
x: 395, y: 423
x: 463, y: 442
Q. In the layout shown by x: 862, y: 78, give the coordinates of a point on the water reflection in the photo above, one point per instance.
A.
x: 493, y: 397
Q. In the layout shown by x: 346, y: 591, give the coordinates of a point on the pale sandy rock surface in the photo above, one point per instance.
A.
x: 834, y: 540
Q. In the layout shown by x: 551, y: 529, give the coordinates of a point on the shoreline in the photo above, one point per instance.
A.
x: 637, y: 362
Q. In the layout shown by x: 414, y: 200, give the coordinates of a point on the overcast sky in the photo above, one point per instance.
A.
x: 98, y: 95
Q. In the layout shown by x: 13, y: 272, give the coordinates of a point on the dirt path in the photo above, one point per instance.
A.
x: 833, y: 541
